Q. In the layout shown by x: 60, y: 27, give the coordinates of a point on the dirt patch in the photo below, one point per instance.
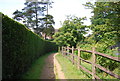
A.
x: 52, y: 68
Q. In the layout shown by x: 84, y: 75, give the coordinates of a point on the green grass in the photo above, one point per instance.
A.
x: 101, y: 75
x: 36, y: 68
x: 70, y: 71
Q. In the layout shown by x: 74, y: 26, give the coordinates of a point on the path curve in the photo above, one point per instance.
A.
x: 52, y: 68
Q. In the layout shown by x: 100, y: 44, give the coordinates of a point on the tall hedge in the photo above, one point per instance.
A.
x: 20, y: 47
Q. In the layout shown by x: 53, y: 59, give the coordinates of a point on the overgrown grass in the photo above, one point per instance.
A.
x: 36, y: 68
x: 70, y: 71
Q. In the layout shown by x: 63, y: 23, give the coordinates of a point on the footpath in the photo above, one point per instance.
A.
x: 52, y: 68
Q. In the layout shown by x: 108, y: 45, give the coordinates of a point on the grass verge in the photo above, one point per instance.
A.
x: 36, y: 68
x: 70, y: 71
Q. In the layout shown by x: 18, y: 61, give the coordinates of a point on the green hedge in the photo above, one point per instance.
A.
x: 20, y: 48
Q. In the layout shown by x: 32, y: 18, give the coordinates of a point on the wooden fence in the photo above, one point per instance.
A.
x: 65, y: 52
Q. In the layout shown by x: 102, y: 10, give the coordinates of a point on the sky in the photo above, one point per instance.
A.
x: 61, y: 8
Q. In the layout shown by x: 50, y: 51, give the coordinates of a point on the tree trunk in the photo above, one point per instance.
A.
x: 36, y: 15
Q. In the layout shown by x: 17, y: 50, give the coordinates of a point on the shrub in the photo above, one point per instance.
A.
x: 102, y: 48
x: 20, y: 48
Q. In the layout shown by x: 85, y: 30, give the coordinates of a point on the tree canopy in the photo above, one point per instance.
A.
x: 33, y: 16
x: 105, y: 22
x: 71, y: 32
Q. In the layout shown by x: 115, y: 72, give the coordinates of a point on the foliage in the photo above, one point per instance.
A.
x: 71, y: 32
x: 83, y: 55
x: 105, y: 22
x: 105, y: 27
x: 30, y: 14
x: 70, y: 71
x: 21, y: 47
x: 48, y: 28
x: 33, y: 14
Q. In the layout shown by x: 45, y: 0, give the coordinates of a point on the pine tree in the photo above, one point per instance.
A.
x: 33, y: 14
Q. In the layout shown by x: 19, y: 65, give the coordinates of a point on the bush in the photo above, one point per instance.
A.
x: 102, y: 48
x: 20, y: 48
x: 83, y: 55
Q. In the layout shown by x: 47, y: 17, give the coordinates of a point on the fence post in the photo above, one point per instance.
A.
x: 79, y: 61
x: 73, y: 54
x: 59, y: 49
x: 93, y: 63
x: 68, y: 50
x: 65, y: 50
x: 62, y: 50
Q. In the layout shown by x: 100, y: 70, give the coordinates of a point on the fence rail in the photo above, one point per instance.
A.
x: 65, y: 52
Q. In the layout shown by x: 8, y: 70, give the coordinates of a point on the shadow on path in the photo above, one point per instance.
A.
x: 48, y: 69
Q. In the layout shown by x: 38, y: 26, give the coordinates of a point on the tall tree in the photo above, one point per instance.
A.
x: 32, y: 14
x: 105, y: 22
x: 106, y: 31
x: 48, y: 23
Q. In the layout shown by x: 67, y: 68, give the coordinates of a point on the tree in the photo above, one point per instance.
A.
x: 47, y: 24
x: 32, y: 14
x: 105, y: 22
x: 106, y: 31
x: 71, y: 32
